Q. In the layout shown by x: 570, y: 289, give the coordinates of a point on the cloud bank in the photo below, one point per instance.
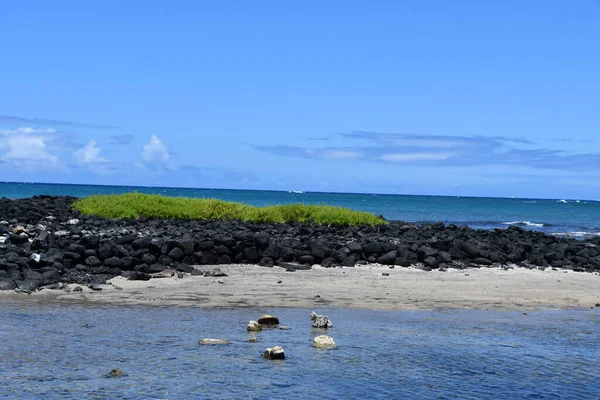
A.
x: 439, y: 150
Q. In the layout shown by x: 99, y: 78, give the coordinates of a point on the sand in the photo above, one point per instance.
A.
x: 359, y: 287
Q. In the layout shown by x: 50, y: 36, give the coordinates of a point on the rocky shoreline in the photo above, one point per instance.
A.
x: 44, y: 242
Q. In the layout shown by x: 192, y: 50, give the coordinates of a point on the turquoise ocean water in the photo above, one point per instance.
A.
x: 573, y: 217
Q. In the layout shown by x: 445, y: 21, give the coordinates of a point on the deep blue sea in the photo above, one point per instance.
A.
x: 66, y: 352
x: 573, y: 217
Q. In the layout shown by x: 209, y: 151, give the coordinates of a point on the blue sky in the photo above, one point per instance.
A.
x: 415, y: 97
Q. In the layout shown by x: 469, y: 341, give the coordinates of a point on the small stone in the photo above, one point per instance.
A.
x: 597, y: 305
x: 279, y: 281
x: 78, y: 289
x: 274, y: 353
x: 73, y: 221
x: 213, y: 341
x: 385, y: 274
x: 268, y: 320
x: 115, y: 373
x: 252, y: 340
x: 254, y: 326
x: 17, y: 230
x: 324, y: 342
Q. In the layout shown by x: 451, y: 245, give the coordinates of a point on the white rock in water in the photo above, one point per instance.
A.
x: 213, y: 341
x: 253, y: 326
x: 320, y: 321
x: 324, y: 342
x: 73, y: 221
x: 35, y: 257
x: 274, y: 353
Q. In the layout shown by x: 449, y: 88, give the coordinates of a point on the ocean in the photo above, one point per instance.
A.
x: 58, y: 351
x: 565, y: 217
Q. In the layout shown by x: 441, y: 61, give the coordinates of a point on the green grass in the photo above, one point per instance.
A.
x: 135, y: 205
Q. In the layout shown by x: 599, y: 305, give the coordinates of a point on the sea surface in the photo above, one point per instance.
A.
x: 66, y: 352
x: 566, y: 217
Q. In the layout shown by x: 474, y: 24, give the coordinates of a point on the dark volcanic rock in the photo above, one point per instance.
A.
x: 45, y: 250
x: 7, y: 284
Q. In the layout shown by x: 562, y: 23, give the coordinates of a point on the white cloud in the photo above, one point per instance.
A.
x: 407, y: 157
x: 29, y: 152
x: 26, y: 130
x: 155, y: 151
x: 89, y: 154
x: 341, y: 155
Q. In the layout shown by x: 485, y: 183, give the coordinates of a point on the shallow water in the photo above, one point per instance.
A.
x: 57, y: 351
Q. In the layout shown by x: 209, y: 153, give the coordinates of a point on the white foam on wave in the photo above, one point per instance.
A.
x: 296, y: 191
x: 561, y: 201
x: 524, y: 223
x: 576, y: 234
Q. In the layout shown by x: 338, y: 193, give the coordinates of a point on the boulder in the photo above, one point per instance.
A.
x: 388, y: 258
x: 254, y: 326
x: 7, y: 284
x: 324, y: 342
x: 320, y: 321
x: 274, y: 353
x: 213, y: 341
x: 268, y: 320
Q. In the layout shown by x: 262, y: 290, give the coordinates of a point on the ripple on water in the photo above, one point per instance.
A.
x: 67, y: 351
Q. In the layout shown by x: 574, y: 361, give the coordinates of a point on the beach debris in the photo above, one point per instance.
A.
x: 115, y: 373
x: 254, y: 326
x: 213, y: 341
x: 324, y: 342
x: 217, y: 272
x: 268, y: 320
x: 320, y: 321
x: 166, y: 273
x: 274, y: 353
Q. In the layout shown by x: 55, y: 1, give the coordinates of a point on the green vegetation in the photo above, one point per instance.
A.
x: 135, y: 205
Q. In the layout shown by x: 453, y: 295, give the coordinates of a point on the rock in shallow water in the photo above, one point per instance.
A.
x: 320, y: 321
x: 274, y: 353
x: 324, y: 342
x: 268, y: 320
x: 254, y: 326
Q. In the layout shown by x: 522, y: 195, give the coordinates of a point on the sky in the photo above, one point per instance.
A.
x: 461, y: 98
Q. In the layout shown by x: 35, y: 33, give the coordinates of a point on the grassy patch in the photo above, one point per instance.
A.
x: 135, y: 205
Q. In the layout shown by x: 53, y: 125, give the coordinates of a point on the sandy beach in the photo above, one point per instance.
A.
x: 362, y: 287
